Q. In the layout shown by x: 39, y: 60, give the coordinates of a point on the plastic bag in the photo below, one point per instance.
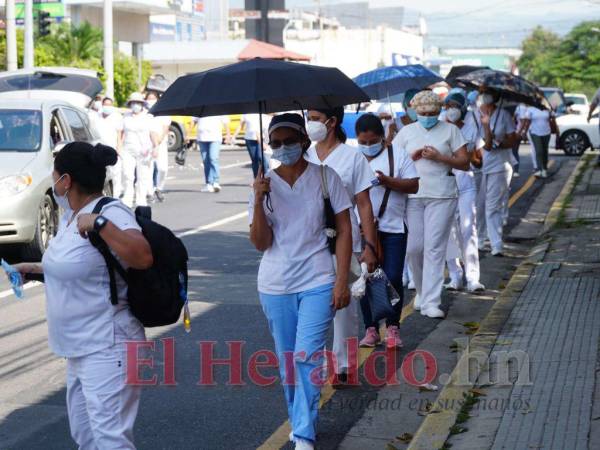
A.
x: 15, y: 278
x: 359, y: 287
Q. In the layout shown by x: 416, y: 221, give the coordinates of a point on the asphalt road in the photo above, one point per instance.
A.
x: 225, y: 307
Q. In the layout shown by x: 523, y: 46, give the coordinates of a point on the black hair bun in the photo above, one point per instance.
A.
x: 103, y: 155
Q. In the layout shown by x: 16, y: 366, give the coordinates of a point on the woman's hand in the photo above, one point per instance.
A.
x: 369, y: 257
x: 85, y: 224
x: 261, y: 186
x: 341, y: 295
x: 24, y: 268
x: 431, y: 153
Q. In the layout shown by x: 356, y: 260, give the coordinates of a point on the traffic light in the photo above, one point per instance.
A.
x: 44, y: 22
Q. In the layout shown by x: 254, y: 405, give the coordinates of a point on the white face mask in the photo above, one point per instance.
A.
x: 453, y: 115
x: 61, y: 200
x: 485, y: 99
x: 136, y: 108
x: 317, y: 131
x: 108, y: 110
x: 150, y: 103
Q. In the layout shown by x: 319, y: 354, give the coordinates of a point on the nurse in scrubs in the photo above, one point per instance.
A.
x: 298, y: 286
x: 83, y: 326
x: 325, y: 128
x: 437, y: 148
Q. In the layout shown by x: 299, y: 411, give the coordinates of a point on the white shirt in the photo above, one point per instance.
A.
x: 109, y: 128
x: 498, y: 159
x: 392, y: 220
x: 299, y: 259
x: 78, y: 304
x: 521, y: 113
x: 540, y: 121
x: 356, y: 175
x: 210, y: 129
x: 252, y: 126
x: 159, y: 123
x: 435, y: 179
x: 136, y: 134
x: 465, y: 180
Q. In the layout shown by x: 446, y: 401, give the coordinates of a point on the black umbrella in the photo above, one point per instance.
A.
x: 459, y: 71
x: 258, y: 86
x: 511, y: 88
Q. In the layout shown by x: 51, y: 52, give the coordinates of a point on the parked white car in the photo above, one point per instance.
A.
x: 578, y: 103
x: 576, y: 134
x: 35, y: 123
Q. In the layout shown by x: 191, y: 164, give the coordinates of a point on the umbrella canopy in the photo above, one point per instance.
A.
x: 512, y: 88
x: 459, y: 71
x: 258, y: 86
x: 389, y: 81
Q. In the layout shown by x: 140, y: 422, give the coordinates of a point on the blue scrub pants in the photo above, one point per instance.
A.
x: 299, y: 324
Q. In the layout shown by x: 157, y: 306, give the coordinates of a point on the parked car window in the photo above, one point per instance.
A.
x: 78, y: 128
x: 20, y: 130
x: 57, y: 134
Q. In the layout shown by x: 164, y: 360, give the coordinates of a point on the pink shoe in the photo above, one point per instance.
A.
x: 392, y: 337
x: 371, y: 338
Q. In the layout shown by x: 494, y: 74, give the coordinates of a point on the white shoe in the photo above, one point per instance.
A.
x: 537, y: 174
x: 516, y: 175
x: 475, y: 287
x: 544, y: 174
x: 411, y: 285
x: 417, y: 303
x: 208, y: 188
x: 497, y: 252
x: 216, y: 187
x: 303, y: 444
x: 291, y: 436
x: 433, y: 312
x: 453, y: 286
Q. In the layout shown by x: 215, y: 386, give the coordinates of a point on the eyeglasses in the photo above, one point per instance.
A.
x: 287, y: 142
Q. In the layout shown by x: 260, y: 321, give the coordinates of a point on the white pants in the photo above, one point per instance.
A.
x: 140, y: 168
x: 162, y: 168
x: 101, y: 407
x: 429, y: 224
x: 494, y: 194
x: 116, y: 174
x: 464, y: 239
x: 345, y: 324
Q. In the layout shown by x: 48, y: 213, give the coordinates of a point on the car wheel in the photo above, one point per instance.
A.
x: 574, y: 142
x: 45, y: 230
x: 174, y: 138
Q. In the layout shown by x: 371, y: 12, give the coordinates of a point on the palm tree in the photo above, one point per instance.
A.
x: 75, y: 46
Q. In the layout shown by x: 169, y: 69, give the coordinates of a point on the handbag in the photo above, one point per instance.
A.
x: 181, y: 155
x: 330, y: 230
x: 381, y: 295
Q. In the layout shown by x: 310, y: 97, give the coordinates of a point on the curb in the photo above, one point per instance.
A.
x: 435, y: 429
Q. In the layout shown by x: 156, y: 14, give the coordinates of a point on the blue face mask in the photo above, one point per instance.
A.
x: 428, y: 122
x: 370, y: 150
x: 412, y: 114
x: 288, y: 155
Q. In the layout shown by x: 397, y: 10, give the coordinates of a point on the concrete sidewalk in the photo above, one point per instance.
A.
x: 548, y: 346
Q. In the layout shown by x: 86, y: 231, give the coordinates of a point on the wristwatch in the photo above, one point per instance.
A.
x: 99, y: 223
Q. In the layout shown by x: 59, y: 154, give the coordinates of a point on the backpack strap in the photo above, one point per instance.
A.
x: 324, y: 186
x: 388, y: 191
x: 111, y: 262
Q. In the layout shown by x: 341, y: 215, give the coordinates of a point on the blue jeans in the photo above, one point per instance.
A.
x: 210, y: 158
x: 299, y: 324
x: 254, y: 152
x: 394, y: 253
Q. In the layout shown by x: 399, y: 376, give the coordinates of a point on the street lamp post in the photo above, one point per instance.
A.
x: 28, y: 56
x: 108, y: 49
x: 11, y: 36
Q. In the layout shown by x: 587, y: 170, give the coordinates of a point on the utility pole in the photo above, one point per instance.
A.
x: 11, y: 36
x: 108, y: 49
x: 28, y: 56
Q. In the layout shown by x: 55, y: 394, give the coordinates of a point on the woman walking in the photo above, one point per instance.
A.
x: 298, y: 287
x: 83, y: 326
x: 397, y: 177
x: 540, y: 123
x: 437, y: 148
x: 325, y: 128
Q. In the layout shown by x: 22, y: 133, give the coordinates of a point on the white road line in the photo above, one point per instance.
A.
x: 212, y: 225
x: 10, y: 292
x: 238, y: 164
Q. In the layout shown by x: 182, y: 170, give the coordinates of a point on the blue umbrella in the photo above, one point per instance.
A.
x: 389, y: 81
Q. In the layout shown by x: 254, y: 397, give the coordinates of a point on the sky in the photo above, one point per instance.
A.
x: 484, y: 23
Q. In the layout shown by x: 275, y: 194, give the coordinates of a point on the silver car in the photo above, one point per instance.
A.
x: 31, y: 131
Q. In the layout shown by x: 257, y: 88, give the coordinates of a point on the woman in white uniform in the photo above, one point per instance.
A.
x: 160, y: 130
x: 397, y: 177
x: 137, y: 153
x: 298, y: 288
x: 325, y: 128
x: 110, y: 126
x: 540, y: 123
x: 463, y: 238
x: 497, y: 130
x: 83, y: 326
x: 437, y: 148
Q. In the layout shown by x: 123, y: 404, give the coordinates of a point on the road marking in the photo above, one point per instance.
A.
x: 26, y: 286
x: 212, y: 225
x: 282, y: 435
x: 517, y: 195
x: 238, y: 164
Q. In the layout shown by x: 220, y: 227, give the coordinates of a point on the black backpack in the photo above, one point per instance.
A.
x: 155, y: 295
